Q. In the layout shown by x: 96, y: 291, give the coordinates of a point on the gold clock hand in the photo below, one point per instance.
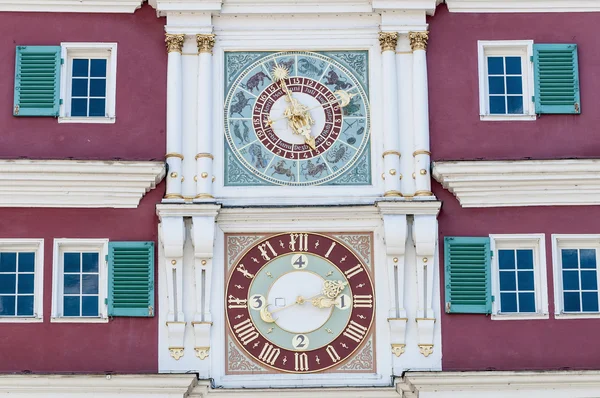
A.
x: 267, y: 315
x: 344, y: 100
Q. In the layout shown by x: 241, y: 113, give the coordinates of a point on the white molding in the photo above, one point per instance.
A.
x: 521, y: 182
x: 88, y: 6
x: 76, y: 183
x: 485, y: 6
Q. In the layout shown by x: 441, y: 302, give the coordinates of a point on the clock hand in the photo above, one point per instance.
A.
x: 331, y: 291
x: 344, y: 100
x: 267, y: 315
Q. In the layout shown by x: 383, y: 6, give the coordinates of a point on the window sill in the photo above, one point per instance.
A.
x: 519, y: 317
x: 90, y: 120
x: 78, y: 320
x: 583, y: 315
x: 19, y: 319
x: 497, y: 118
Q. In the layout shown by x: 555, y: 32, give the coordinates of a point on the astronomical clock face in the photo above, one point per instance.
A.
x: 299, y: 302
x: 297, y: 118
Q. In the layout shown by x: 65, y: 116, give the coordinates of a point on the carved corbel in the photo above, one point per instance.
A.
x: 425, y: 232
x: 172, y: 236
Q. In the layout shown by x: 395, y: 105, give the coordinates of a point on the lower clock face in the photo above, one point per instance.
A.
x: 300, y: 302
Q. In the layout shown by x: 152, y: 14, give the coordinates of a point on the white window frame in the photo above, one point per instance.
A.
x: 88, y: 50
x: 79, y: 245
x: 36, y: 246
x: 506, y: 48
x: 571, y: 241
x: 537, y: 243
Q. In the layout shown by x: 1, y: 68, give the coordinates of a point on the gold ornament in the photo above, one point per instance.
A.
x: 174, y: 42
x: 388, y: 41
x: 205, y: 43
x: 418, y: 40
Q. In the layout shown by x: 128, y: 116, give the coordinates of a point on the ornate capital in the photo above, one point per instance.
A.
x: 418, y: 40
x: 205, y: 43
x: 388, y: 41
x: 174, y: 42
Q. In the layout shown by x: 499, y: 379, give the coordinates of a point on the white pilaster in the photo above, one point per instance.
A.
x: 391, y: 141
x: 404, y: 61
x: 422, y: 155
x: 204, y: 157
x: 174, y: 156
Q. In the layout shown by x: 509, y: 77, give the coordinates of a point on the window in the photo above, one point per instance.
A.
x: 75, y: 82
x: 519, y: 79
x: 21, y: 280
x: 576, y: 275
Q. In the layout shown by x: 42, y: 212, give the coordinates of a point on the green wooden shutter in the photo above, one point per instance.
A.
x: 556, y: 74
x: 467, y: 275
x: 131, y: 279
x: 37, y: 81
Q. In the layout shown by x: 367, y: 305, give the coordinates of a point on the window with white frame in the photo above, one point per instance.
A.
x: 89, y: 82
x: 21, y: 280
x: 506, y: 80
x: 576, y: 275
x: 519, y: 276
x: 80, y: 280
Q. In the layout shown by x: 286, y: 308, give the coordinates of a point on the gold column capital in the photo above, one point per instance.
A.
x: 388, y: 41
x: 205, y: 43
x: 174, y: 42
x: 418, y: 40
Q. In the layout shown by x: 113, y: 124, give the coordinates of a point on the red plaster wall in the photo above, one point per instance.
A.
x: 475, y: 342
x: 123, y: 345
x: 139, y: 131
x: 457, y: 132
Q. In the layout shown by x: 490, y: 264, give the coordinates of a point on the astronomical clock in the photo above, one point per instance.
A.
x: 299, y: 303
x: 297, y: 118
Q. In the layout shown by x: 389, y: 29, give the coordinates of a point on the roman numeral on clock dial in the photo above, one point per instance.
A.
x: 246, y: 331
x: 355, y: 331
x: 353, y: 271
x: 300, y: 362
x: 269, y: 354
x: 365, y: 301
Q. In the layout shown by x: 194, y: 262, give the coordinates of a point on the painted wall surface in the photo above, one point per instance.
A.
x: 456, y: 131
x: 475, y: 341
x: 139, y: 131
x: 123, y: 345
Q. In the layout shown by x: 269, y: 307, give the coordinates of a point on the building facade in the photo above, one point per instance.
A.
x: 259, y: 198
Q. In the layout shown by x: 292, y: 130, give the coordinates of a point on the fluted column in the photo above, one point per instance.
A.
x: 404, y: 62
x: 391, y: 141
x: 204, y: 158
x: 174, y: 156
x: 422, y: 155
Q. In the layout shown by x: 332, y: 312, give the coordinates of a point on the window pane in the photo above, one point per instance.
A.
x: 79, y: 87
x: 98, y: 88
x: 8, y: 262
x: 590, y: 301
x: 589, y: 280
x: 90, y: 262
x: 78, y: 107
x: 90, y: 284
x: 80, y: 68
x: 515, y: 105
x: 98, y: 68
x: 71, y: 306
x: 513, y: 65
x: 25, y: 306
x: 508, y: 302
x: 25, y: 283
x: 26, y: 262
x: 497, y: 105
x: 496, y: 85
x: 526, y: 302
x: 570, y: 280
x: 97, y: 107
x: 507, y: 281
x: 89, y: 306
x: 495, y: 65
x: 569, y: 258
x: 525, y: 259
x: 72, y: 284
x: 514, y: 85
x: 526, y: 280
x: 571, y: 302
x: 506, y: 259
x: 72, y: 262
x: 588, y: 258
x: 8, y: 283
x: 7, y: 305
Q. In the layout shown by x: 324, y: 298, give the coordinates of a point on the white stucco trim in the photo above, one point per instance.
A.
x: 92, y: 6
x: 521, y: 182
x: 523, y: 5
x: 76, y: 183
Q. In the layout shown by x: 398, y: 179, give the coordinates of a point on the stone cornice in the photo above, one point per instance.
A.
x: 521, y: 182
x: 487, y: 6
x: 76, y: 183
x: 88, y: 6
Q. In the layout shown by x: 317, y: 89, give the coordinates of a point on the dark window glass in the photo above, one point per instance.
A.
x: 495, y: 65
x: 80, y: 68
x: 515, y: 105
x: 525, y: 259
x: 506, y: 259
x: 90, y: 284
x: 25, y: 284
x: 26, y: 262
x: 97, y: 107
x: 589, y: 301
x: 589, y: 280
x: 98, y: 68
x: 79, y: 107
x: 8, y: 262
x: 25, y: 306
x: 72, y: 284
x: 526, y: 302
x: 497, y: 105
x: 89, y: 306
x: 90, y: 262
x: 71, y: 306
x: 514, y: 85
x: 496, y: 84
x: 588, y: 258
x: 513, y: 65
x: 569, y: 258
x: 72, y: 262
x: 526, y: 280
x: 7, y: 305
x: 98, y: 88
x: 508, y: 302
x: 507, y: 281
x: 571, y: 301
x: 570, y: 280
x: 8, y: 283
x: 79, y: 88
